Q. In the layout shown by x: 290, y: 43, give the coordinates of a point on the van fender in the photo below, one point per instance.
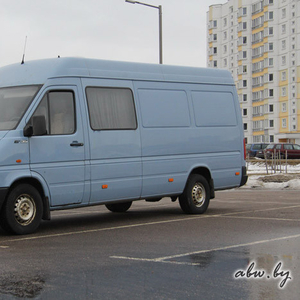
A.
x: 205, y: 171
x: 26, y: 176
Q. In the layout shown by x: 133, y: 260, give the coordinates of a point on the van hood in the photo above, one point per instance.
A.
x: 3, y: 134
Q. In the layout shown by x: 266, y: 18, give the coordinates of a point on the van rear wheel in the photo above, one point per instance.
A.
x: 119, y: 207
x: 22, y: 212
x: 196, y: 195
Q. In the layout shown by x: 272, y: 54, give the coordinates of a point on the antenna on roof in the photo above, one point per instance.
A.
x: 24, y: 51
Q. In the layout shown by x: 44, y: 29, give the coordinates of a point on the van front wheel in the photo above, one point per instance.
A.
x: 22, y: 211
x: 196, y: 195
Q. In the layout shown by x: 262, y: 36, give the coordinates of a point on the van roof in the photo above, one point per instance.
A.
x: 38, y: 71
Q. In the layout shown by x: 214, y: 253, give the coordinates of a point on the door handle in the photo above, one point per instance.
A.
x: 76, y: 144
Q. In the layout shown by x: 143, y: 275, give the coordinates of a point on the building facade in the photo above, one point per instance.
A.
x: 259, y: 42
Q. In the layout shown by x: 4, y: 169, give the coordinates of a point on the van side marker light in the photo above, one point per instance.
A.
x: 237, y: 173
x: 171, y: 179
x: 104, y: 186
x: 18, y: 161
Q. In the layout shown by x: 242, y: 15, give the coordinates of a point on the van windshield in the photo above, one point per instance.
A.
x: 13, y: 103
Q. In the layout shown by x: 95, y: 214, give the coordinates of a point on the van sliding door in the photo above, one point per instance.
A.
x: 116, y: 171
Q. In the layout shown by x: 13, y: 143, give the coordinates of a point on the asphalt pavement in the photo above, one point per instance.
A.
x: 245, y: 247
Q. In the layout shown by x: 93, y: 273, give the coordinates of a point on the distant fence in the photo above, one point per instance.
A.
x: 276, y: 163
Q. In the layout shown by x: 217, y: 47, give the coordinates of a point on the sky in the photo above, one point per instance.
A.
x: 104, y: 29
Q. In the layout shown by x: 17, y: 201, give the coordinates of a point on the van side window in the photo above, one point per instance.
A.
x: 111, y: 108
x: 59, y: 110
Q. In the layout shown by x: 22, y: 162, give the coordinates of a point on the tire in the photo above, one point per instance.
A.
x: 196, y: 195
x: 22, y: 212
x: 119, y: 207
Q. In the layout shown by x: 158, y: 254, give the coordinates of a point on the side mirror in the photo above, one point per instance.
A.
x: 37, y: 128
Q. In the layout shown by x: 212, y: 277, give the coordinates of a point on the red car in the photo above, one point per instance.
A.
x: 289, y: 150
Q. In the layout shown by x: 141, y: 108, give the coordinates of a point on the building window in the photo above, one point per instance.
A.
x: 271, y: 15
x: 283, y: 107
x: 271, y: 61
x: 244, y: 11
x: 244, y: 83
x: 244, y: 25
x: 244, y: 54
x: 245, y: 69
x: 283, y: 13
x: 283, y: 44
x: 215, y: 23
x: 215, y: 37
x: 270, y: 30
x: 271, y: 108
x: 271, y: 123
x: 271, y: 92
x: 271, y: 47
x: 283, y: 123
x: 244, y: 97
x: 271, y: 138
x: 283, y: 29
x: 283, y: 60
x: 271, y: 77
x: 245, y: 126
x: 245, y: 112
x: 283, y: 91
x: 215, y: 50
x: 215, y: 63
x: 225, y: 22
x: 283, y: 76
x: 244, y: 40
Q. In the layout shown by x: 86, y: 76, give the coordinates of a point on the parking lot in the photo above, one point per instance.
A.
x: 245, y: 247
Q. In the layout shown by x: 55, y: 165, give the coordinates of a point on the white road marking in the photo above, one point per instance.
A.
x: 261, y: 218
x: 166, y: 259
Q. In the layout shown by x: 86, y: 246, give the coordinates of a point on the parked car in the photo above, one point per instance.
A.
x: 253, y: 149
x: 285, y: 150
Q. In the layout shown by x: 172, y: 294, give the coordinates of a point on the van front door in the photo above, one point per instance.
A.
x: 58, y: 156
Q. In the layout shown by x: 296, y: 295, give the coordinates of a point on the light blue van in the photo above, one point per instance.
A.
x: 76, y: 132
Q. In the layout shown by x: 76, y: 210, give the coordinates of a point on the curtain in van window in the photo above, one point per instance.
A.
x: 111, y: 108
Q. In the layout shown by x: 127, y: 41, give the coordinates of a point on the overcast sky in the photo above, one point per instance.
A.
x: 104, y: 29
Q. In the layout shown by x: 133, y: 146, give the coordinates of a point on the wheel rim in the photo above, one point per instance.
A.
x: 25, y: 210
x: 198, y: 194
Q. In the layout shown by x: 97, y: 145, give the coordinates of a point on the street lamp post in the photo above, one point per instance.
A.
x: 160, y: 24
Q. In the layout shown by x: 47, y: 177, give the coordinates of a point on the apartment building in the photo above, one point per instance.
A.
x: 259, y: 42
